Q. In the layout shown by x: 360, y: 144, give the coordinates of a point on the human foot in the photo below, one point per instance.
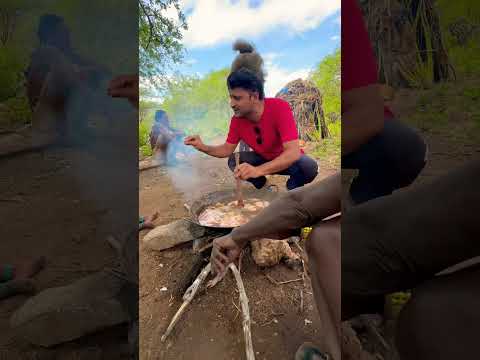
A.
x: 147, y: 221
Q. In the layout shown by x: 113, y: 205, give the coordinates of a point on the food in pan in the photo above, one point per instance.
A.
x: 231, y: 215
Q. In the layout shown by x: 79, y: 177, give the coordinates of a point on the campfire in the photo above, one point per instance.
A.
x: 211, y: 216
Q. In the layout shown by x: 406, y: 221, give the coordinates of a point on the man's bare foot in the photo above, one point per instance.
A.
x: 30, y: 268
x: 15, y: 287
x: 147, y: 222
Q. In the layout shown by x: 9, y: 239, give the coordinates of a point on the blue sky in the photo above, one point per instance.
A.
x: 291, y: 36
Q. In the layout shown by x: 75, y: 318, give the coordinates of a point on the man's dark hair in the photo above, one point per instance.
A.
x: 246, y: 79
x: 47, y: 26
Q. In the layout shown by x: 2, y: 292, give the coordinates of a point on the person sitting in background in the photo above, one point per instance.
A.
x: 266, y: 125
x: 59, y: 85
x: 55, y: 49
x: 161, y: 135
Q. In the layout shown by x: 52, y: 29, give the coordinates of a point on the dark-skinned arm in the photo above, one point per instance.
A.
x: 292, y: 211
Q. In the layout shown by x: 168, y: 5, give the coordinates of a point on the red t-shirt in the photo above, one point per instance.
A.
x: 359, y: 66
x: 277, y: 126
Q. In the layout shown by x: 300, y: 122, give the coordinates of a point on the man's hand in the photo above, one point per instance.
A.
x: 125, y: 86
x: 194, y: 141
x: 246, y: 171
x: 224, y: 252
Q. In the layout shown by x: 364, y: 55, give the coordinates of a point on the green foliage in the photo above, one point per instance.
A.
x: 329, y: 150
x: 159, y: 38
x: 199, y: 105
x: 327, y: 78
x: 11, y: 76
x: 420, y: 75
x: 19, y: 110
x: 143, y: 138
x: 465, y: 58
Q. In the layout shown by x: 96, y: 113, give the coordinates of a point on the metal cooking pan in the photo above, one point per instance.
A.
x: 225, y: 196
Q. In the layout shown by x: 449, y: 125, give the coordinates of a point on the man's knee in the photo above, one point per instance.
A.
x: 409, y: 151
x: 309, y: 168
x: 323, y: 240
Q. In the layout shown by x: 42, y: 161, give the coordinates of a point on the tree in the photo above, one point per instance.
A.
x: 159, y: 38
x: 327, y: 77
x: 199, y: 105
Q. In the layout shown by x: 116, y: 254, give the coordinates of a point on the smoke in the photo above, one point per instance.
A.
x: 187, y: 170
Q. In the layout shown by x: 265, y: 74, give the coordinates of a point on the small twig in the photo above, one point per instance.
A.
x: 268, y: 322
x: 202, y: 249
x: 289, y: 281
x: 301, y: 300
x: 373, y: 330
x: 275, y: 282
x: 298, y: 247
x: 12, y: 200
x: 271, y: 280
x: 187, y: 298
x: 236, y: 307
x: 303, y: 273
x: 245, y: 311
x: 240, y: 257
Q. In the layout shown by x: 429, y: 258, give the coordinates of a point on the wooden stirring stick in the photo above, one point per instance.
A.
x: 239, y: 183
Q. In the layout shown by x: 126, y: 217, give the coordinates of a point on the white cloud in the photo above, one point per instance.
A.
x: 338, y: 20
x: 335, y: 37
x: 216, y: 21
x: 269, y: 57
x: 191, y: 61
x: 278, y: 77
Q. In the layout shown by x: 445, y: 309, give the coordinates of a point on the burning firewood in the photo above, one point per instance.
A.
x: 187, y: 299
x: 245, y: 311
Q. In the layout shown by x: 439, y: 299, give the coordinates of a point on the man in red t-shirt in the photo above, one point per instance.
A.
x: 387, y: 153
x: 267, y: 126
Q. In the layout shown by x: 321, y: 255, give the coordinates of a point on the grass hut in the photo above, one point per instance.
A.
x: 407, y: 41
x: 306, y: 102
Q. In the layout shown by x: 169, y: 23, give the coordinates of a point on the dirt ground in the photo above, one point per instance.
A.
x: 48, y: 208
x: 212, y: 328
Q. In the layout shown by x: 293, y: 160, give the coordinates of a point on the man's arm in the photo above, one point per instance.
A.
x: 362, y: 118
x: 219, y: 151
x: 290, y: 154
x: 294, y: 210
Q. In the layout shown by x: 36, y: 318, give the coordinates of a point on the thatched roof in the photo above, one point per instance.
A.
x: 407, y: 41
x: 305, y: 100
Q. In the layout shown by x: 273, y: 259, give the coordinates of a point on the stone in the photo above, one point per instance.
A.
x: 66, y: 313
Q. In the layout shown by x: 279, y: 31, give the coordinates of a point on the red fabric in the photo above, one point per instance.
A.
x: 277, y: 126
x: 359, y: 66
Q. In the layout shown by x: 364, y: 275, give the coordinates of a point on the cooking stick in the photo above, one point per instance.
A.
x: 239, y: 183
